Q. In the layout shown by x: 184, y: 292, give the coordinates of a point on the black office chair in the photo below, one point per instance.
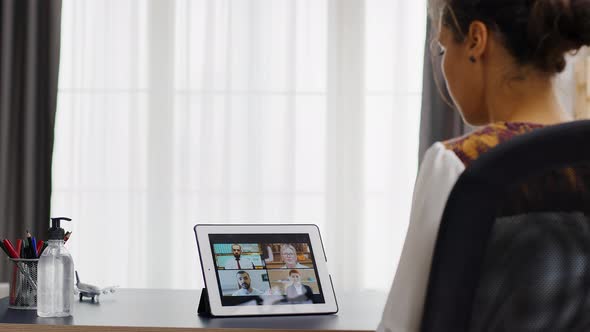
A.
x: 513, y: 249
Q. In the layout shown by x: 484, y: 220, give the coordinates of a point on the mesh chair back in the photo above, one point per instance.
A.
x: 513, y: 249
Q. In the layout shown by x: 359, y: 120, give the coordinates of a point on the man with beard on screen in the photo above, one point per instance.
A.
x: 244, y: 285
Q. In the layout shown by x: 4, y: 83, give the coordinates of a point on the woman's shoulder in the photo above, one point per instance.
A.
x: 469, y: 147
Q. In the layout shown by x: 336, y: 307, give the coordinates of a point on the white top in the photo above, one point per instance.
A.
x: 245, y: 264
x: 245, y: 292
x: 438, y: 173
x: 299, y: 289
x: 297, y: 266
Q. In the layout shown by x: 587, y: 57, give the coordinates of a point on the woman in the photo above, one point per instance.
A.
x: 296, y: 291
x: 499, y: 59
x: 289, y: 257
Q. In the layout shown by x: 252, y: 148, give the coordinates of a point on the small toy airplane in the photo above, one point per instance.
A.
x: 91, y: 291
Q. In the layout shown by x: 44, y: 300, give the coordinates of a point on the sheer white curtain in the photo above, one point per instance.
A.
x: 172, y: 113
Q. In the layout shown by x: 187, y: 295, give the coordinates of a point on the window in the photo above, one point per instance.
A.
x: 172, y: 113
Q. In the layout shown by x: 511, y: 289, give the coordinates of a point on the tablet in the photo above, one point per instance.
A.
x: 265, y: 270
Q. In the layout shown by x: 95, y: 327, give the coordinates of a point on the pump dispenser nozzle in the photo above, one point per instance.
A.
x: 56, y: 232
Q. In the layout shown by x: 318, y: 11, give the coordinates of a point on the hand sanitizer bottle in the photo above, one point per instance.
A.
x: 55, y: 276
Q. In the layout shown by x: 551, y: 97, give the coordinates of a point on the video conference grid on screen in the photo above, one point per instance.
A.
x: 265, y: 269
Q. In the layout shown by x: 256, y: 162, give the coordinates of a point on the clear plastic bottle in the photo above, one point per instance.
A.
x: 55, y: 276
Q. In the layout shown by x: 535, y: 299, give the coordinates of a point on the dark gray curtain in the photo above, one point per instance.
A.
x: 29, y: 60
x: 438, y: 121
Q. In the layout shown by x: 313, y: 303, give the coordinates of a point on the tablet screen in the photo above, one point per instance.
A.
x: 265, y: 269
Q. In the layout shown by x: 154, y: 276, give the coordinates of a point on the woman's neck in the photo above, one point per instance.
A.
x: 530, y: 100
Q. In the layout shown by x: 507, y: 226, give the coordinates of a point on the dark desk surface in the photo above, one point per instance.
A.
x: 175, y: 310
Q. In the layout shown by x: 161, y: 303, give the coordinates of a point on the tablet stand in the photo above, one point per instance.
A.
x: 204, y: 307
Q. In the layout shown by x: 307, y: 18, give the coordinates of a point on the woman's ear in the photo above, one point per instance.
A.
x: 477, y: 40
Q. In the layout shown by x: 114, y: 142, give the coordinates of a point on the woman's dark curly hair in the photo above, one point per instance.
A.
x: 535, y: 32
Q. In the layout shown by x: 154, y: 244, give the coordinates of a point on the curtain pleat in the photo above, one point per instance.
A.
x: 29, y: 61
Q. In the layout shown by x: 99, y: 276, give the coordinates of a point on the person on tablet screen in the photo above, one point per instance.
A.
x: 289, y: 257
x: 297, y: 292
x: 245, y: 285
x: 238, y: 262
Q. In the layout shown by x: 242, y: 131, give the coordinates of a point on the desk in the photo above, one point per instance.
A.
x: 176, y: 310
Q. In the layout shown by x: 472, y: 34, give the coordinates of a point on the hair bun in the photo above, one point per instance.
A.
x: 555, y: 28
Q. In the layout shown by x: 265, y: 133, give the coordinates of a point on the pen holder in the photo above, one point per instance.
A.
x: 23, y: 284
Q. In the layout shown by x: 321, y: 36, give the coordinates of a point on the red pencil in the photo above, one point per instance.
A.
x: 19, y: 247
x: 39, y: 248
x: 10, y: 249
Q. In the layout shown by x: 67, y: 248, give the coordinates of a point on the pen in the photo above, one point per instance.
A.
x: 34, y: 250
x: 30, y: 250
x: 40, y: 247
x: 11, y: 251
x: 19, y: 248
x: 26, y: 250
x: 67, y: 236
